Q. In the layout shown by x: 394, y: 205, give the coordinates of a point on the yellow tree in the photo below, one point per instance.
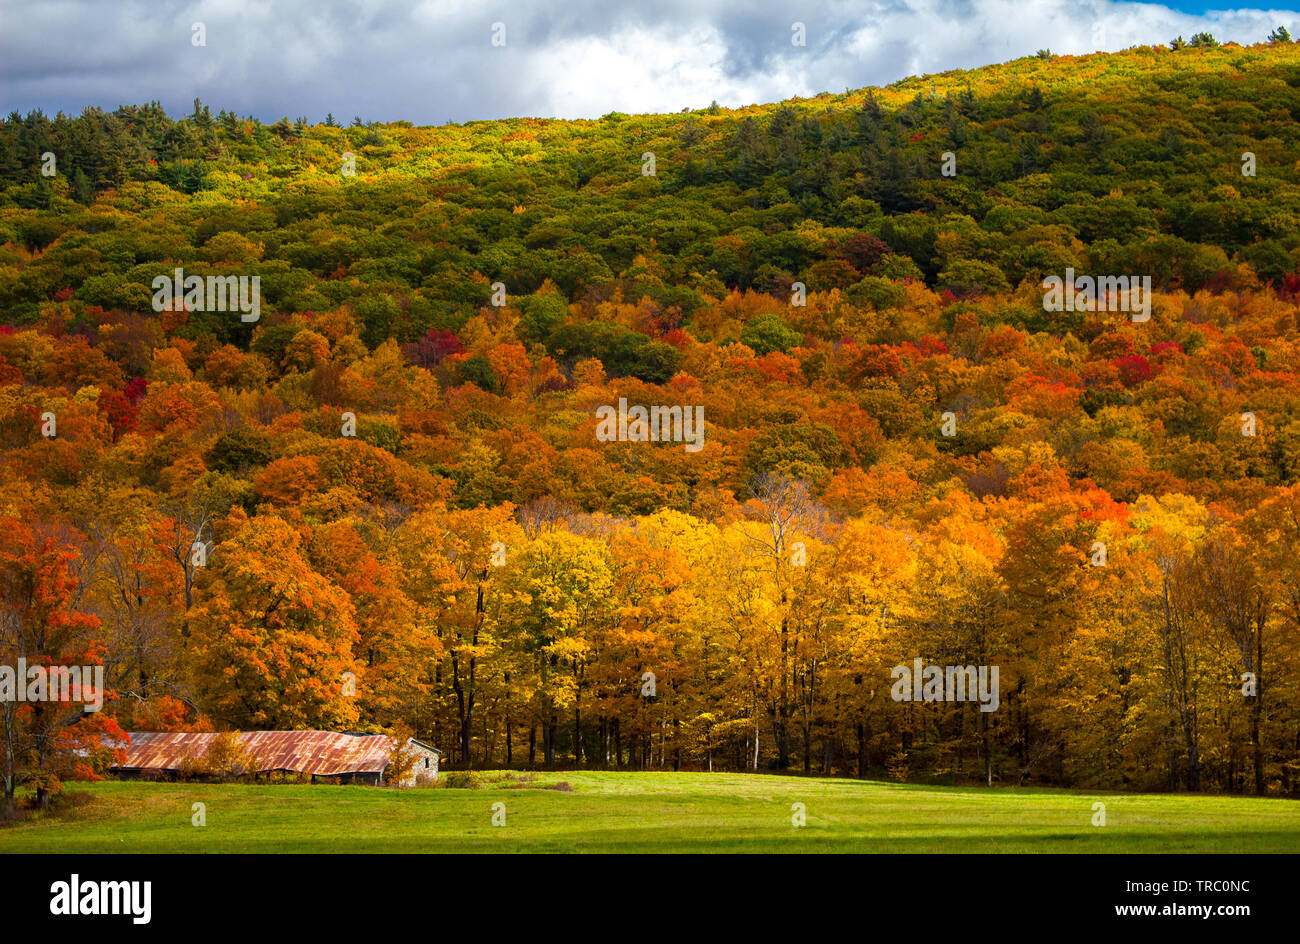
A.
x: 960, y: 601
x: 1275, y: 529
x: 560, y: 586
x: 1053, y: 565
x: 1086, y: 684
x: 686, y: 645
x: 430, y: 584
x: 479, y: 542
x: 645, y: 651
x: 772, y: 572
x: 869, y: 572
x: 744, y: 600
x: 1234, y: 594
x: 1169, y: 529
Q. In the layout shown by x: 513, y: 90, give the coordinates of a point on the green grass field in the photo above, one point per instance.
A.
x: 652, y: 812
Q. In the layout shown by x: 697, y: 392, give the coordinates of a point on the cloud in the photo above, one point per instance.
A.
x: 434, y: 61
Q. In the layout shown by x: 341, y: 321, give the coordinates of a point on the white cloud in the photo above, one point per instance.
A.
x: 433, y: 61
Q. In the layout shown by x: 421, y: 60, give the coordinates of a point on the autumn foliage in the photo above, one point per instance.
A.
x: 384, y: 506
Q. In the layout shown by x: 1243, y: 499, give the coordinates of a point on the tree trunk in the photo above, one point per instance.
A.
x: 988, y: 753
x: 466, y: 735
x: 1257, y: 711
x: 577, y: 735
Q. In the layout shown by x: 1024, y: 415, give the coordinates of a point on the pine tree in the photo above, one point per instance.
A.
x: 81, y: 189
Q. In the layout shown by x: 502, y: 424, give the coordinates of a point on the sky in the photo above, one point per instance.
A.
x: 435, y: 61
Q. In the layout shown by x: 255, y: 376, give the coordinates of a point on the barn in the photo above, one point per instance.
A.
x: 323, y: 755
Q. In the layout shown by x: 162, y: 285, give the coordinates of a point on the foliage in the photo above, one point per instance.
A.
x: 392, y: 480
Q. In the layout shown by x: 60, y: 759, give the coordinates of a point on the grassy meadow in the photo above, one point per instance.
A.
x: 576, y: 811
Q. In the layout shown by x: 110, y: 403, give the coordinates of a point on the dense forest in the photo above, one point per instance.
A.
x: 384, y: 504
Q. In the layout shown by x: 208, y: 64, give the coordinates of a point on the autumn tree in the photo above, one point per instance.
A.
x: 47, y: 735
x: 271, y: 637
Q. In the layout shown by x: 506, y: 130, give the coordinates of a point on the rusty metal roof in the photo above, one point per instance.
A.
x: 310, y: 752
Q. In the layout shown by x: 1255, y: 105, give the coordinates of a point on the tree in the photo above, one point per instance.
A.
x: 272, y: 638
x: 559, y: 588
x: 81, y: 188
x: 1233, y: 591
x: 959, y: 602
x: 47, y: 736
x: 1173, y: 527
x: 479, y: 543
x: 478, y: 371
x: 393, y: 650
x: 775, y: 650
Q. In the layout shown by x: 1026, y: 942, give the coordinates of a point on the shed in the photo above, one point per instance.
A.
x: 325, y: 755
x: 425, y: 765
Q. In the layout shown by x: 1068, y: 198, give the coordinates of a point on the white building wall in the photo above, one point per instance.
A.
x: 425, y: 769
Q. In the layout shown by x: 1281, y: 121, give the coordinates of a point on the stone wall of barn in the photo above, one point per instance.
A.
x: 425, y: 769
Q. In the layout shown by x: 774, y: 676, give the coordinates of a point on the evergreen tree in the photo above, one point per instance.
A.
x: 81, y: 189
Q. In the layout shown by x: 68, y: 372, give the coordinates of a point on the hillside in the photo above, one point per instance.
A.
x: 388, y: 498
x: 1069, y: 160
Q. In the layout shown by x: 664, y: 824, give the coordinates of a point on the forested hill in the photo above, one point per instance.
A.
x: 1127, y: 162
x: 378, y: 495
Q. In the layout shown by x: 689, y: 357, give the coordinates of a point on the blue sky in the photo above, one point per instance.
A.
x: 431, y: 61
x: 1188, y: 7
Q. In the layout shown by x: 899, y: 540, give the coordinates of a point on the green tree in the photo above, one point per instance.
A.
x: 768, y: 333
